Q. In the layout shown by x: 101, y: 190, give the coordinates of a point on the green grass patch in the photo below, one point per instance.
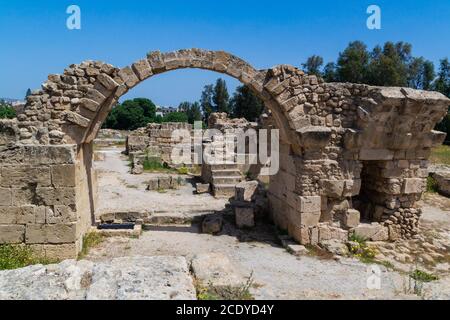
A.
x: 432, y: 185
x: 183, y: 170
x: 90, y: 240
x: 423, y: 276
x: 19, y: 256
x: 441, y: 155
x: 211, y: 292
x: 358, y: 248
x: 357, y: 238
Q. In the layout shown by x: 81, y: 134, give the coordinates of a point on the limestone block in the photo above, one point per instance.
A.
x: 314, y: 137
x: 23, y: 197
x: 246, y: 190
x: 152, y: 184
x: 333, y: 188
x: 56, y: 196
x: 164, y: 183
x: 351, y: 218
x: 304, y: 218
x: 60, y: 215
x: 22, y: 176
x: 62, y: 251
x: 300, y: 234
x: 29, y: 214
x: 137, y: 168
x: 376, y: 154
x: 142, y: 69
x: 8, y: 215
x: 77, y: 119
x: 156, y: 61
x: 202, y: 188
x: 50, y: 233
x: 63, y: 175
x: 413, y: 185
x: 381, y: 235
x: 12, y: 233
x: 128, y: 77
x: 309, y: 203
x: 5, y: 197
x: 245, y: 217
x: 108, y: 82
x: 335, y: 246
x: 324, y: 232
x: 368, y: 231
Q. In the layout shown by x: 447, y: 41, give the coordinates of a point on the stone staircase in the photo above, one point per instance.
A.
x: 225, y: 175
x: 224, y: 179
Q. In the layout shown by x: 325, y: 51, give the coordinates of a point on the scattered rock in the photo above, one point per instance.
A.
x: 246, y: 190
x: 202, y: 188
x: 216, y: 269
x: 335, y: 247
x: 212, y: 224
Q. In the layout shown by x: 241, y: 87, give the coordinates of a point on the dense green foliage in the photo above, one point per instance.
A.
x: 389, y: 65
x: 206, y: 101
x: 131, y: 114
x: 175, y: 117
x: 245, y: 104
x: 6, y: 111
x: 192, y: 111
x: 221, y: 97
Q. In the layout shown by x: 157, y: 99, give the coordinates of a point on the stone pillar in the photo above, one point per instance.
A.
x: 40, y: 199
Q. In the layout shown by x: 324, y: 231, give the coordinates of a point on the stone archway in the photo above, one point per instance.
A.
x: 327, y: 131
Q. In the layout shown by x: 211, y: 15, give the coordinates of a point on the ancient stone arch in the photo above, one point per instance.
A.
x: 341, y: 144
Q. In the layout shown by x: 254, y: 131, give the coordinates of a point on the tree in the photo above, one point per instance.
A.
x: 131, y: 114
x: 221, y: 97
x: 330, y: 72
x: 175, y: 117
x: 442, y: 84
x: 206, y: 101
x: 353, y: 62
x: 313, y: 64
x: 389, y: 66
x: 28, y: 93
x: 6, y: 111
x: 192, y: 111
x: 420, y: 73
x: 245, y: 104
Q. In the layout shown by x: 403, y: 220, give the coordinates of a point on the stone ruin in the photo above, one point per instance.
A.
x: 353, y: 157
x: 153, y: 141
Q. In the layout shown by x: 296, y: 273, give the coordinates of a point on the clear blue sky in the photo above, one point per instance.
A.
x: 35, y: 40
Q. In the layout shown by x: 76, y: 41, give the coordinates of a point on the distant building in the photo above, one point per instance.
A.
x: 162, y: 111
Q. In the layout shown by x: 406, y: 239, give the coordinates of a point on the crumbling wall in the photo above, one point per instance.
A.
x: 155, y: 139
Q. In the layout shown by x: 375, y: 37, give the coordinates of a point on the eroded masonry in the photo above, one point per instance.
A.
x: 353, y: 157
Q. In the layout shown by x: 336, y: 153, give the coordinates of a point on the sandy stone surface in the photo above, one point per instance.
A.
x: 120, y: 191
x: 143, y: 278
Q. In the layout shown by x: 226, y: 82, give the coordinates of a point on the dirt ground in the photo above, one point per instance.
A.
x: 277, y: 274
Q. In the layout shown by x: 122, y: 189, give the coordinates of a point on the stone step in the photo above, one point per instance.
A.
x: 224, y: 166
x: 234, y: 180
x: 175, y: 218
x: 225, y: 172
x: 224, y: 190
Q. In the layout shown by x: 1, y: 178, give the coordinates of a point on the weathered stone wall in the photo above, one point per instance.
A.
x: 40, y: 198
x: 340, y: 143
x: 155, y: 139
